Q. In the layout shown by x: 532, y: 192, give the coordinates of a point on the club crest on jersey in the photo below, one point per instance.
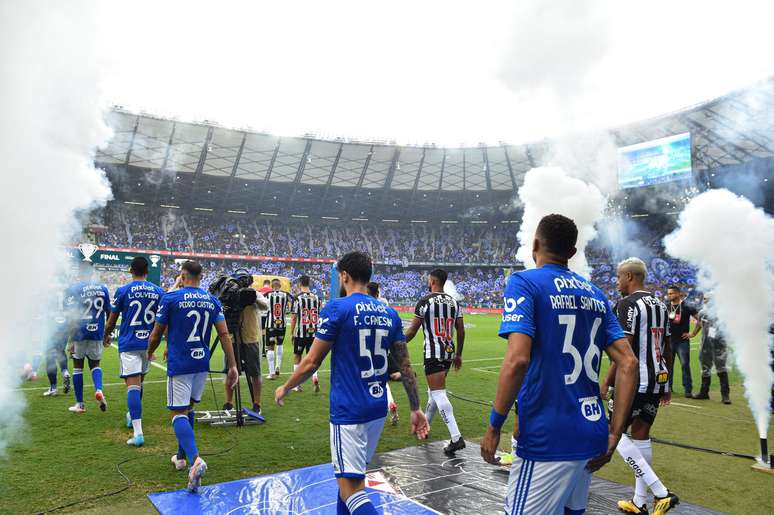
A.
x: 197, y: 353
x: 88, y: 250
x: 142, y: 334
x: 376, y: 390
x: 590, y: 408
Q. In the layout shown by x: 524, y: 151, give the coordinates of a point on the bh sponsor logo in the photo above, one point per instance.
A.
x: 376, y: 390
x: 142, y: 334
x: 590, y: 408
x: 197, y: 353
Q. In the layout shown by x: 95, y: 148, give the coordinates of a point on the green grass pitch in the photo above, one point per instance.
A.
x: 61, y: 457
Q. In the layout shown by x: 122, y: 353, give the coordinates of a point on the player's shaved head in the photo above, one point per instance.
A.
x: 634, y: 266
x: 557, y: 236
x: 139, y: 266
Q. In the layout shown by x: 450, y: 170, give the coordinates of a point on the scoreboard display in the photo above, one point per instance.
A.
x: 655, y: 162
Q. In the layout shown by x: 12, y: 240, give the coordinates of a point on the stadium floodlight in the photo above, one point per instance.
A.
x: 237, y: 211
x: 360, y: 219
x: 268, y: 214
x: 299, y: 216
x: 329, y: 217
x: 134, y: 203
x: 418, y: 221
x: 203, y: 209
x: 479, y: 222
x: 169, y: 206
x: 449, y: 221
x: 391, y: 220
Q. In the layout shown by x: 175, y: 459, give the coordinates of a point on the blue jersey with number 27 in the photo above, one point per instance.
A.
x: 137, y: 303
x: 561, y: 416
x: 362, y: 329
x: 189, y: 314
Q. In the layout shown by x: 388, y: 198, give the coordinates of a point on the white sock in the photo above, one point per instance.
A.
x: 137, y: 426
x: 279, y: 356
x: 431, y: 407
x: 447, y: 413
x: 390, y: 399
x: 642, y: 469
x: 640, y: 487
x: 270, y: 359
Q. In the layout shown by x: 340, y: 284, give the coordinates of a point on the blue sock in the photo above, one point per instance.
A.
x: 78, y: 384
x: 341, y: 506
x: 185, y: 437
x: 141, y: 390
x: 96, y: 377
x: 180, y: 450
x: 134, y: 402
x: 359, y: 504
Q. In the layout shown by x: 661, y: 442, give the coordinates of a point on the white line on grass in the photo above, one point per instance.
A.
x: 681, y: 405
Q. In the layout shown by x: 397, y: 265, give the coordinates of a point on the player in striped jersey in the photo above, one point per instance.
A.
x: 645, y: 321
x: 279, y: 305
x: 439, y: 315
x: 303, y: 325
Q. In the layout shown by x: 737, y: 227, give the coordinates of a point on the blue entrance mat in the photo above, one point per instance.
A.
x: 310, y: 490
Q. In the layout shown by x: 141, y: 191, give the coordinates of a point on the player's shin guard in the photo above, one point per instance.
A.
x: 135, y: 408
x: 359, y: 504
x: 78, y: 384
x: 96, y: 377
x: 639, y: 464
x: 185, y: 436
x: 431, y: 407
x: 447, y: 413
x: 270, y: 359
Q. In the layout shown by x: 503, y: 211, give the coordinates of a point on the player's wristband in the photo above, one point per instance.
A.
x: 496, y: 420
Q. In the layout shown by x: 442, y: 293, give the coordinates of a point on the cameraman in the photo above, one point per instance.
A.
x: 242, y: 305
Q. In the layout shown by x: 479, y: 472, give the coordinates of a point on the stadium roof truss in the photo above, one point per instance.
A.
x: 171, y: 162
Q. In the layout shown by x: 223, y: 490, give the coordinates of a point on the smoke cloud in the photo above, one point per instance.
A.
x: 732, y: 244
x: 550, y: 190
x: 50, y: 125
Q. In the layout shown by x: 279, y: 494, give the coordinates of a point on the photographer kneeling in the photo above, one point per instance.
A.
x: 242, y: 305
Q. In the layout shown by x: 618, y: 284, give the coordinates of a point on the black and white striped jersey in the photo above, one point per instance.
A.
x: 645, y: 318
x: 279, y: 305
x: 439, y: 313
x: 306, y: 307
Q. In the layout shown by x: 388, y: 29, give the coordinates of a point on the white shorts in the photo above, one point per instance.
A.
x: 547, y: 487
x: 133, y: 363
x: 353, y: 446
x: 91, y: 349
x: 185, y: 389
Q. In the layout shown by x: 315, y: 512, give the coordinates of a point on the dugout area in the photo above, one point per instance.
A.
x: 416, y: 480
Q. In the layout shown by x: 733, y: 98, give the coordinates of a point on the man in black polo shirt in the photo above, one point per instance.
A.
x: 680, y: 314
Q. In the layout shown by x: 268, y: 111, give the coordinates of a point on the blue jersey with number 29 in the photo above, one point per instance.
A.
x: 88, y: 303
x: 561, y: 416
x: 362, y: 329
x: 189, y: 314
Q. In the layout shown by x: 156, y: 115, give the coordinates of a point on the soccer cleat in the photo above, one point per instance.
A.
x: 137, y: 441
x: 228, y: 406
x: 51, y: 392
x: 101, y: 400
x: 394, y: 414
x: 454, y: 446
x: 297, y: 389
x: 66, y: 381
x: 277, y: 372
x: 661, y: 505
x: 630, y: 507
x: 128, y: 420
x: 271, y: 377
x: 316, y: 383
x: 77, y: 408
x: 257, y: 408
x: 179, y: 463
x: 195, y: 475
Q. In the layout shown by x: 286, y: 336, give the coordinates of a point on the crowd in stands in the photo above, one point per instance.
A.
x: 393, y: 247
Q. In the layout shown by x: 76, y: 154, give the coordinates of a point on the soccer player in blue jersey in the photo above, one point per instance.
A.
x: 358, y: 331
x: 136, y: 303
x: 557, y: 323
x: 189, y: 314
x: 87, y: 302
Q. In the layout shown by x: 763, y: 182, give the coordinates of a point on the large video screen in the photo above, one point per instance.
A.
x: 655, y: 162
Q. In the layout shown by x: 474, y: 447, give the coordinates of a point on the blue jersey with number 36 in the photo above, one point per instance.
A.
x: 362, y: 329
x: 561, y: 416
x: 189, y: 314
x: 137, y: 303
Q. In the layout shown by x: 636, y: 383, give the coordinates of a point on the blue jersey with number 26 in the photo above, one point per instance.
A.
x: 361, y: 329
x: 137, y: 303
x: 189, y: 314
x: 561, y: 416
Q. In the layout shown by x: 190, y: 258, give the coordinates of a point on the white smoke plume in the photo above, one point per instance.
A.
x: 550, y: 190
x: 732, y: 244
x: 50, y: 125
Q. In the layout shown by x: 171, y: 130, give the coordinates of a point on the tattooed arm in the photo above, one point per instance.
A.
x: 418, y: 421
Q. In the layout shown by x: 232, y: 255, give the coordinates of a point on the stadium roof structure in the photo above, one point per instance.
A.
x: 157, y: 161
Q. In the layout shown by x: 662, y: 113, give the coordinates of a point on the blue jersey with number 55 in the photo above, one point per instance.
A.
x: 561, y: 416
x: 362, y: 329
x: 137, y: 303
x: 189, y: 314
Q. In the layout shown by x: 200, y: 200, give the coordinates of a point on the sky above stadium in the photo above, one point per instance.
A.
x: 447, y: 72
